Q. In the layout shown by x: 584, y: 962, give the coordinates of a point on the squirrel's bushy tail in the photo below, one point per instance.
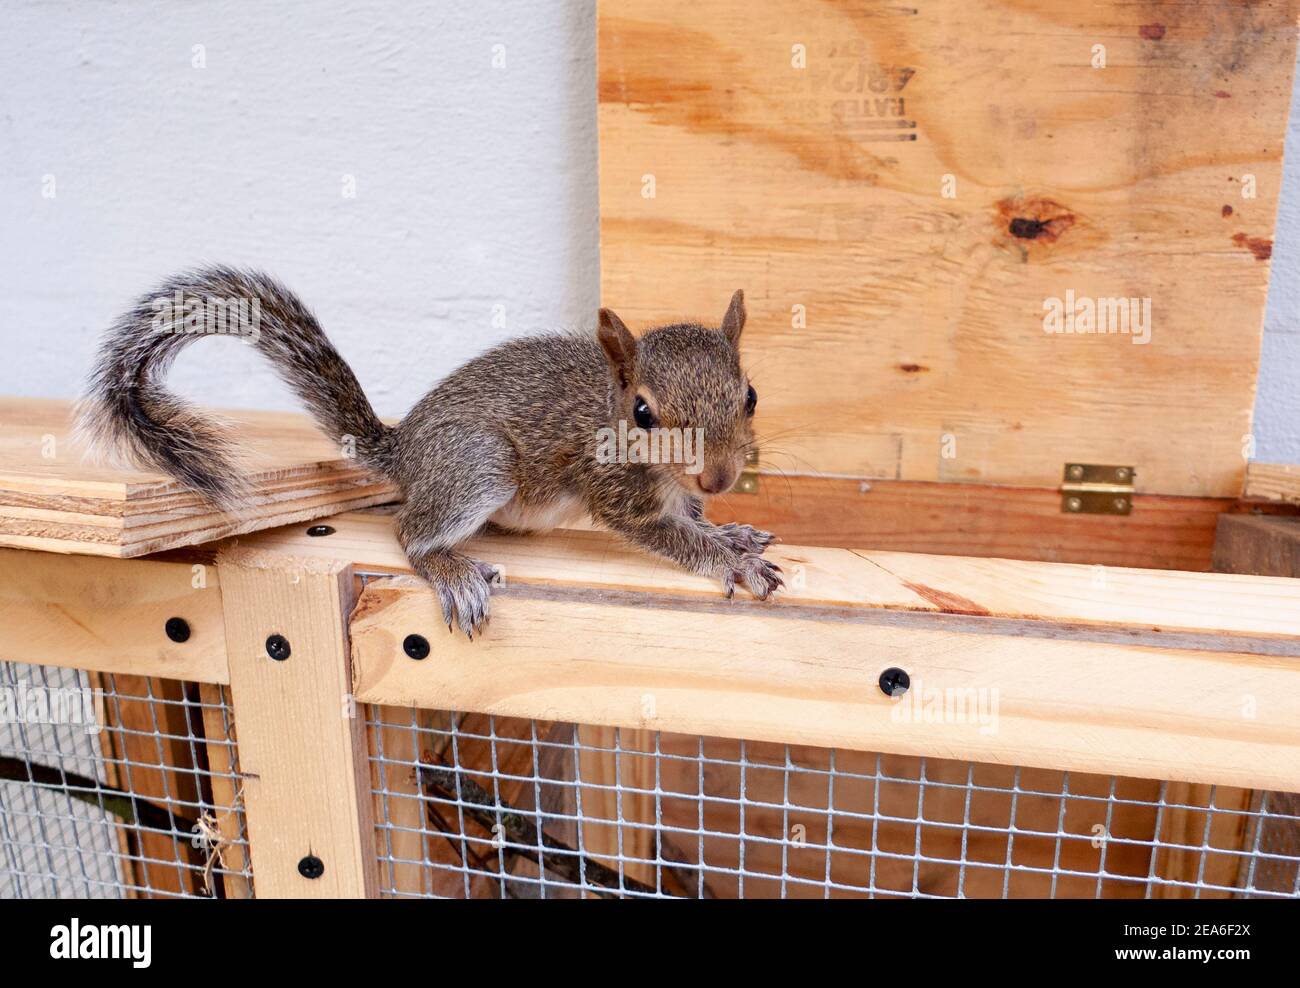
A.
x: 127, y: 409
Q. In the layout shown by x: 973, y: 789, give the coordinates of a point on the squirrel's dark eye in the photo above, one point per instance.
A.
x: 751, y: 401
x: 645, y: 419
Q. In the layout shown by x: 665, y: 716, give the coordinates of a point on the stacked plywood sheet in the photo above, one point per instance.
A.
x: 50, y: 499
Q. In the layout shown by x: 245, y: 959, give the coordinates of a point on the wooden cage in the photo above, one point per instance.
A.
x: 1041, y: 634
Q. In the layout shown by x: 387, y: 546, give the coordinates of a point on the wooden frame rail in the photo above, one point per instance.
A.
x: 1126, y: 601
x: 108, y: 615
x: 1191, y: 677
x: 1008, y: 693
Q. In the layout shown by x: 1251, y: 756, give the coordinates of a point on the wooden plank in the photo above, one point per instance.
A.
x: 1020, y: 694
x: 1146, y: 602
x: 51, y: 500
x: 110, y: 615
x: 394, y: 754
x: 900, y: 188
x: 1271, y: 547
x: 1279, y: 836
x: 426, y: 843
x: 963, y: 834
x: 497, y: 756
x: 1250, y: 544
x: 978, y: 520
x: 1203, y: 833
x: 155, y: 759
x: 604, y: 771
x: 111, y: 759
x: 414, y: 858
x: 219, y: 734
x: 1273, y: 482
x: 301, y: 743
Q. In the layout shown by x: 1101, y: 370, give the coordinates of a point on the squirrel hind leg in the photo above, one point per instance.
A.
x: 431, y: 525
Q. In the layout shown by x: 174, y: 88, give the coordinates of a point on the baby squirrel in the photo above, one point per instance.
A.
x: 510, y: 438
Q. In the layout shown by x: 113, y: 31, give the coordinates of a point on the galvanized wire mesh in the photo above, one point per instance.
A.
x: 116, y: 786
x: 143, y: 799
x: 475, y: 806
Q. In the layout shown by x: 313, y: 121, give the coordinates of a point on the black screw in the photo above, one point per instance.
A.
x: 277, y: 647
x: 178, y: 629
x: 311, y: 867
x: 416, y: 646
x: 894, y: 681
x: 316, y: 531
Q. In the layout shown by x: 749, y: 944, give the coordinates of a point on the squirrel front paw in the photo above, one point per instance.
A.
x: 744, y: 538
x: 760, y: 577
x: 463, y: 586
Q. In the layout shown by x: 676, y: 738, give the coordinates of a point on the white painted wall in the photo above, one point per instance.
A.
x: 475, y: 186
x: 1277, y: 403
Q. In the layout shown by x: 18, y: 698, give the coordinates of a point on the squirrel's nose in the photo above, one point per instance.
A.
x: 714, y: 481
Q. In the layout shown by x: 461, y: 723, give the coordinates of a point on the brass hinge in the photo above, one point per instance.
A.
x: 747, y: 483
x: 1093, y: 489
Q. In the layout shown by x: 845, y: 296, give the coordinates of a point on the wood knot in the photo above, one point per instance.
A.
x: 1035, y: 218
x: 1261, y: 247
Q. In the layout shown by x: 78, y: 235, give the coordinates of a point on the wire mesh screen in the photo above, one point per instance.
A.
x: 475, y: 806
x: 116, y: 786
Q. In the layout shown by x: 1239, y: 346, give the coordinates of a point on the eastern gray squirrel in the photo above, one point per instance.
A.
x: 510, y: 438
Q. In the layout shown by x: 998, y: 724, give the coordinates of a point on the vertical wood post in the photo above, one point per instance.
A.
x: 397, y: 739
x: 110, y: 758
x: 301, y: 737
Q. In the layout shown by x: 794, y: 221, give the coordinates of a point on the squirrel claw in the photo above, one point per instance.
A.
x: 463, y: 588
x: 760, y: 577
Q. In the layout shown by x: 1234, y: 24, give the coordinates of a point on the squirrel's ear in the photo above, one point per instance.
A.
x: 619, y: 345
x: 734, y: 321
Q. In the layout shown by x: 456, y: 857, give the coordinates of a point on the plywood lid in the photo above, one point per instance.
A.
x: 51, y: 499
x: 908, y: 194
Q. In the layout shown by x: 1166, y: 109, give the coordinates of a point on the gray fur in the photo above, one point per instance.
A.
x: 127, y: 409
x: 518, y: 424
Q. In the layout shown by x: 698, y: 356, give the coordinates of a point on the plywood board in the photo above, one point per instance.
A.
x: 1262, y: 546
x: 1273, y: 482
x: 54, y: 501
x: 902, y: 188
x: 979, y: 520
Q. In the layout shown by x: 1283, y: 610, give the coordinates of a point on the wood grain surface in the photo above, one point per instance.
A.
x: 900, y: 188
